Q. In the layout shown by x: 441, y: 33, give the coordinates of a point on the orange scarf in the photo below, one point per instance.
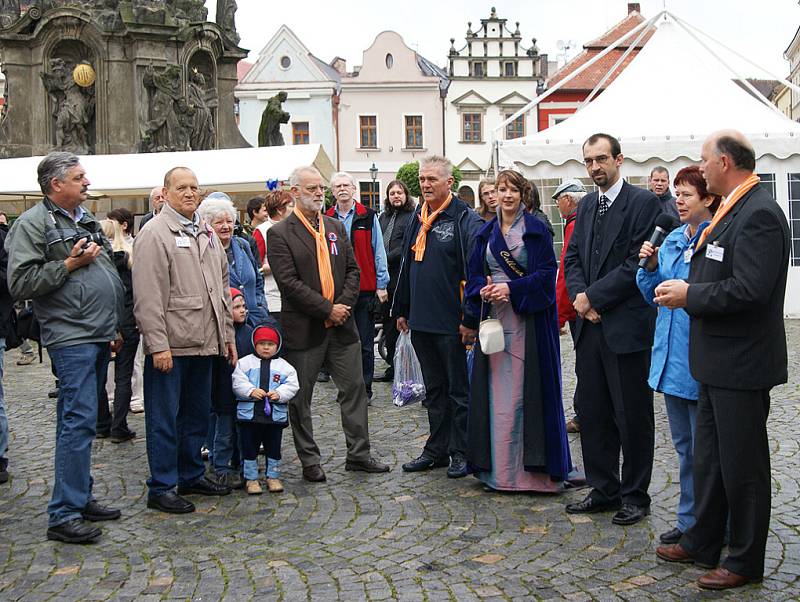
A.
x: 427, y: 224
x: 740, y: 191
x: 323, y: 257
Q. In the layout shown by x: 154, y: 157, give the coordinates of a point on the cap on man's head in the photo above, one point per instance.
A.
x: 568, y: 186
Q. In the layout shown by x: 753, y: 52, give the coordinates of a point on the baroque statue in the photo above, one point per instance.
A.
x: 269, y: 132
x: 9, y: 12
x: 170, y: 117
x: 203, y: 101
x: 226, y: 19
x: 73, y: 108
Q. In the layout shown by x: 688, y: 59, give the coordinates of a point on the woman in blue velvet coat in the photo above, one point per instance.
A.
x: 517, y: 439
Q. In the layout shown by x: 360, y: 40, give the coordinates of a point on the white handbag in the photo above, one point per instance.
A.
x: 490, y: 335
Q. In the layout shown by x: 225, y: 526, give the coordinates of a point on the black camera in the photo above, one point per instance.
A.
x: 89, y: 237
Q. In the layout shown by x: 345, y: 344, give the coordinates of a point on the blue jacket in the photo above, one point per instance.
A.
x: 244, y: 274
x: 669, y: 363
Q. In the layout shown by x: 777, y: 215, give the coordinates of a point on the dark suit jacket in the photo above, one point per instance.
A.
x: 737, y: 338
x: 609, y: 280
x: 293, y: 258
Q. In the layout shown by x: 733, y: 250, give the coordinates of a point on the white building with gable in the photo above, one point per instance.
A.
x: 312, y: 86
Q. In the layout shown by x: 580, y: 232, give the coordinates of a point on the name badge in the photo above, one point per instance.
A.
x: 687, y: 255
x: 183, y: 242
x: 715, y: 252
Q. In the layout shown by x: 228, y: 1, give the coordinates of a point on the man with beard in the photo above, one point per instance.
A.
x: 613, y: 336
x: 659, y: 186
x: 318, y: 277
x: 364, y: 233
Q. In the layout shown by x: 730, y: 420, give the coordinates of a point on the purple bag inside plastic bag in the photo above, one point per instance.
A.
x: 408, y: 386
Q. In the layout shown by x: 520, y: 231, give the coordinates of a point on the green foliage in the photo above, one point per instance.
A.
x: 408, y: 174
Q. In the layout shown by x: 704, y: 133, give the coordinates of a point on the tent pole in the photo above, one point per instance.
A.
x: 619, y: 61
x: 758, y: 95
x: 580, y: 69
x: 785, y: 82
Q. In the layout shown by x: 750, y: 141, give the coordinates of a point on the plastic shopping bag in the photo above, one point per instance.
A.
x: 408, y: 386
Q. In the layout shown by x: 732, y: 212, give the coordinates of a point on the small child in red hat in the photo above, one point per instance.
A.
x: 263, y: 384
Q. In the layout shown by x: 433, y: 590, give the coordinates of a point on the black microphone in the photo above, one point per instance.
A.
x: 665, y: 223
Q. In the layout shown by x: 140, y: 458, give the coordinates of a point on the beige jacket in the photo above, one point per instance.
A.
x: 180, y: 288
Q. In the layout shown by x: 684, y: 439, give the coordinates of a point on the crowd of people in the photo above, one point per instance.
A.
x: 236, y: 325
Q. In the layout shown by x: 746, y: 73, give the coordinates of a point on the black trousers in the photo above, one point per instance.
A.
x: 255, y: 434
x: 123, y: 375
x: 443, y: 360
x: 615, y: 405
x: 731, y: 476
x: 365, y: 323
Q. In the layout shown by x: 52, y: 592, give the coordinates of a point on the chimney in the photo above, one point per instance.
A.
x: 340, y: 65
x: 634, y: 6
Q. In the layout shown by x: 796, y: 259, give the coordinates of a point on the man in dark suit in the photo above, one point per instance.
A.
x: 613, y: 336
x: 737, y: 352
x: 318, y: 277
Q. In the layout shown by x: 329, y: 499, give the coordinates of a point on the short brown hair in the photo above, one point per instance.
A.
x: 277, y: 200
x: 518, y: 181
x: 694, y: 177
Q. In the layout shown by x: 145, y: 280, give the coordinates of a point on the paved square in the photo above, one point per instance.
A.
x: 358, y: 537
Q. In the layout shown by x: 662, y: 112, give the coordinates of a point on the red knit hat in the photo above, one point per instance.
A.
x: 266, y: 333
x: 235, y: 292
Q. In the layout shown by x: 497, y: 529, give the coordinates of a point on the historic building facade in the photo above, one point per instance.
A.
x: 391, y: 112
x: 492, y: 75
x: 312, y: 89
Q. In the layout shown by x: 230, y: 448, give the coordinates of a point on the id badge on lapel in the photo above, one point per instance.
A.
x: 715, y: 252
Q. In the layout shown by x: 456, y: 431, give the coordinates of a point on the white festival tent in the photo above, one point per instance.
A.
x: 674, y: 93
x: 228, y: 170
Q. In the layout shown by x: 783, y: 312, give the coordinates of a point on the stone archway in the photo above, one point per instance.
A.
x: 466, y: 194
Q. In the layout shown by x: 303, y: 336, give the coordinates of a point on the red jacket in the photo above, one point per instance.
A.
x: 361, y: 239
x: 566, y: 312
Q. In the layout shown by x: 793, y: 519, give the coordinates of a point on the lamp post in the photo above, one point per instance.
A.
x: 373, y: 172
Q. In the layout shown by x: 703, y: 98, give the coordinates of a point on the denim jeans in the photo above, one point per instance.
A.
x: 81, y: 370
x: 177, y: 407
x: 682, y: 415
x: 3, y: 419
x: 224, y: 443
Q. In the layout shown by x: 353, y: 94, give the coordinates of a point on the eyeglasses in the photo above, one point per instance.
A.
x: 600, y: 159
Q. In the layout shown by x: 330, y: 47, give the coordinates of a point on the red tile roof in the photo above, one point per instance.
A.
x: 242, y: 67
x: 588, y: 79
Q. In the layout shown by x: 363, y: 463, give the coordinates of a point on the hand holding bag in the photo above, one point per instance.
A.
x: 490, y: 335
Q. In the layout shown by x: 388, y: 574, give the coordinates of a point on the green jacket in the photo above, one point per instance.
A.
x: 83, y: 306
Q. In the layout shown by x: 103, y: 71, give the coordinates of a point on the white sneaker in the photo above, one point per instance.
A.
x: 137, y: 407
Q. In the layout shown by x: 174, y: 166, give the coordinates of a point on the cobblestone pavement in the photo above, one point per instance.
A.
x: 356, y: 537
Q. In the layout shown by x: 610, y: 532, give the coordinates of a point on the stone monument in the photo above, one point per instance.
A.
x: 117, y: 76
x: 269, y: 131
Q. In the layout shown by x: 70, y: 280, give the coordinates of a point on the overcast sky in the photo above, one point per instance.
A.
x: 761, y: 29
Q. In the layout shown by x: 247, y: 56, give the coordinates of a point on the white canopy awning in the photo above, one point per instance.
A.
x: 662, y: 106
x: 228, y: 170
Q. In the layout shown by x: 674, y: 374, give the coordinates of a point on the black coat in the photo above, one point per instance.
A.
x: 737, y: 338
x: 127, y: 323
x: 6, y: 302
x: 394, y: 246
x: 609, y: 277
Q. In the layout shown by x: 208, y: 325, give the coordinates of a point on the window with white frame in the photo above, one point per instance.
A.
x: 794, y: 216
x: 368, y: 131
x: 516, y: 128
x: 413, y: 131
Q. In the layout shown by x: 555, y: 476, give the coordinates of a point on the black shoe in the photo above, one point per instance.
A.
x: 104, y: 434
x: 314, y: 473
x: 95, y: 512
x: 458, y: 468
x: 122, y: 437
x: 3, y: 476
x: 228, y: 479
x: 170, y: 502
x: 589, y: 505
x: 76, y: 530
x: 630, y: 514
x: 386, y: 377
x: 323, y: 377
x: 203, y: 486
x: 673, y: 536
x: 425, y: 463
x: 371, y: 465
x: 53, y: 393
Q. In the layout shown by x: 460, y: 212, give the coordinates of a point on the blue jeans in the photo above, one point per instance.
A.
x: 177, y: 407
x: 3, y: 419
x: 81, y: 370
x: 682, y: 415
x: 224, y: 443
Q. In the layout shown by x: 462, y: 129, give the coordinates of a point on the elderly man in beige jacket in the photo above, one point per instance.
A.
x: 182, y: 306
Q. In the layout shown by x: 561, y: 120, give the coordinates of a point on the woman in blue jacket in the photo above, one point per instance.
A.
x: 669, y: 364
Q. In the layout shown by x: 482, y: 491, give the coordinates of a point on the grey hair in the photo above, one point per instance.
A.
x: 442, y: 163
x: 659, y: 169
x: 214, y: 206
x: 156, y: 190
x: 294, y: 177
x: 343, y: 174
x: 575, y: 196
x: 55, y: 165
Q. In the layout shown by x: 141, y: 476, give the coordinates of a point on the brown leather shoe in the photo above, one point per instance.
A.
x: 722, y: 578
x: 674, y: 553
x: 314, y: 473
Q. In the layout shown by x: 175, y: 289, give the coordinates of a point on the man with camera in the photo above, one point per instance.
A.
x: 58, y: 257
